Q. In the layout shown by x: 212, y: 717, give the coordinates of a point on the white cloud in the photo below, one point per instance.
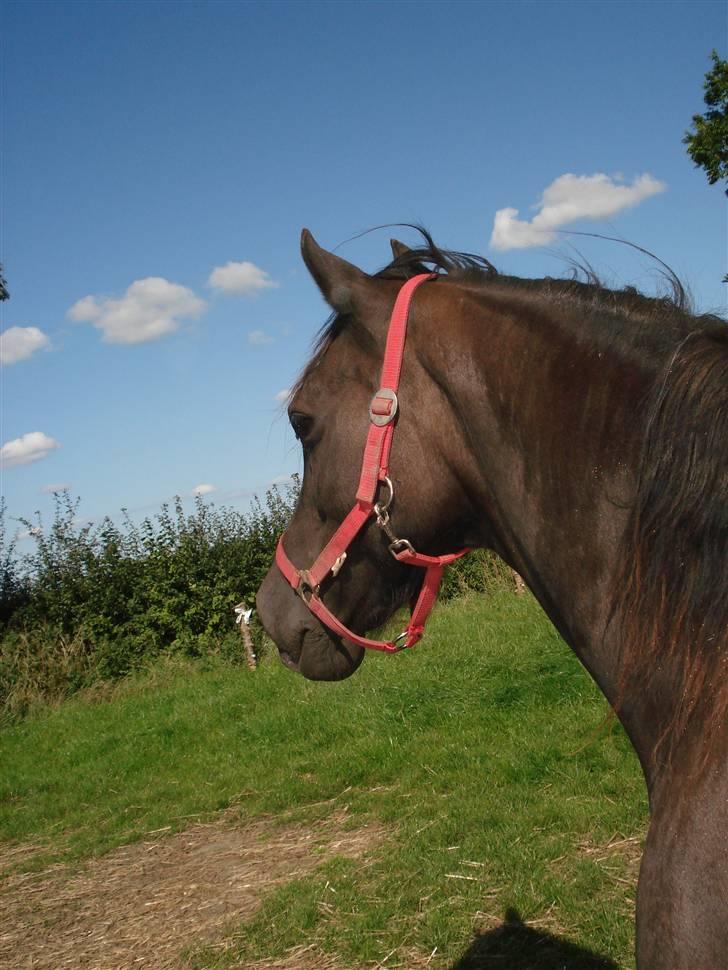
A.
x: 568, y: 198
x: 240, y: 279
x: 19, y: 343
x: 27, y: 449
x: 259, y: 337
x: 151, y: 308
x: 52, y: 489
x: 85, y: 310
x: 204, y: 489
x: 283, y: 395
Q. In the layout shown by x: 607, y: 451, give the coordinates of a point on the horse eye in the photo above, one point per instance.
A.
x: 301, y: 424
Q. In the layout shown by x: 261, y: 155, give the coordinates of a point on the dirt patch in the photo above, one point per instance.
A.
x: 143, y: 905
x: 16, y: 855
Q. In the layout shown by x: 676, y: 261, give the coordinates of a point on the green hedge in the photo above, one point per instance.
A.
x: 94, y: 602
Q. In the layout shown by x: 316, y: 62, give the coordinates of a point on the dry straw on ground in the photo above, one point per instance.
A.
x: 144, y: 905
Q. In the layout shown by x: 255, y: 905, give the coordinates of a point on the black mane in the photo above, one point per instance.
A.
x: 584, y: 284
x: 466, y: 267
x: 626, y: 318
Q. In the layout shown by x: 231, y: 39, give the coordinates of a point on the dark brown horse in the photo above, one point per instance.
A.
x: 582, y: 433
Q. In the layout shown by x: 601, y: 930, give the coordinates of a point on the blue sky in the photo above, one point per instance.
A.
x: 148, y: 145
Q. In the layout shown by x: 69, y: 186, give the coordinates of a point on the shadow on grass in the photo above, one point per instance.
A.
x: 515, y: 946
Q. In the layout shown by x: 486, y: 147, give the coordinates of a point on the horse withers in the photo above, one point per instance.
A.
x: 581, y: 433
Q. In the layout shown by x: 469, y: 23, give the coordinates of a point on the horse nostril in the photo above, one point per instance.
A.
x: 287, y: 659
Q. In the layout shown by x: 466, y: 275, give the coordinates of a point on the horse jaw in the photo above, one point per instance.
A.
x: 324, y: 657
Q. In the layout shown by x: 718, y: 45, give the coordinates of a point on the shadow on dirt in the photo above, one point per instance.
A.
x: 515, y: 946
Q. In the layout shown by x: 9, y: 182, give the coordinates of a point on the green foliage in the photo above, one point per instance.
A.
x: 95, y: 602
x: 481, y: 571
x: 4, y: 295
x: 13, y: 587
x: 708, y: 141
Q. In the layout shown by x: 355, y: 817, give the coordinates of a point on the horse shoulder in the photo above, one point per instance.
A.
x: 682, y: 909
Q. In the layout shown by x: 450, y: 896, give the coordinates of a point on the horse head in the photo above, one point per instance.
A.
x: 428, y: 468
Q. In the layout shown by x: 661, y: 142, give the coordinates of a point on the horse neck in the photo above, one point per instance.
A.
x: 553, y: 418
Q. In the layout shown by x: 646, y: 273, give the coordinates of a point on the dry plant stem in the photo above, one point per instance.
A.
x: 248, y: 644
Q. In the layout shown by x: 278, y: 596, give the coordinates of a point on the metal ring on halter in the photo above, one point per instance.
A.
x: 306, y: 586
x: 401, y: 637
x: 401, y: 545
x: 381, y: 507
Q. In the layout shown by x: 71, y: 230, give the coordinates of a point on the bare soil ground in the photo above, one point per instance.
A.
x: 144, y: 905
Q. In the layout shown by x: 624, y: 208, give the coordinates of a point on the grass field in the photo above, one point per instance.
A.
x: 477, y: 759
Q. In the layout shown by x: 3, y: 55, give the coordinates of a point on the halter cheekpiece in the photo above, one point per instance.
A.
x: 383, y: 410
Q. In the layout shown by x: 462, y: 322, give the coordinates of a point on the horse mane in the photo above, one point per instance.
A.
x: 583, y: 288
x: 670, y: 598
x: 624, y: 311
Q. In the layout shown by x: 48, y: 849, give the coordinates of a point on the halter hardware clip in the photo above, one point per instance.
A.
x: 306, y: 587
x: 383, y: 408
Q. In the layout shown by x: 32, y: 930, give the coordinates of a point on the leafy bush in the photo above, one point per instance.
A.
x: 95, y: 602
x: 13, y: 586
x: 481, y: 571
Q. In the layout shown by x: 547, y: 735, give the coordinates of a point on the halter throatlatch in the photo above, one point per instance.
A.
x: 374, y: 471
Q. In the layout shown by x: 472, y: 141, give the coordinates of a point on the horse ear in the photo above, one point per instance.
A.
x: 336, y: 278
x: 398, y: 248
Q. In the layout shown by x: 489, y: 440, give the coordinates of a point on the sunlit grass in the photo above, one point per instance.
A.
x: 479, y: 753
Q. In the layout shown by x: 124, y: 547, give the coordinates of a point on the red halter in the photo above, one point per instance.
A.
x: 375, y: 469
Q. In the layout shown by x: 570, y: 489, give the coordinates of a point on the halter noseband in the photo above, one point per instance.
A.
x: 375, y: 470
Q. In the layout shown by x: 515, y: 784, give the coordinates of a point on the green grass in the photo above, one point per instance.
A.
x: 480, y: 746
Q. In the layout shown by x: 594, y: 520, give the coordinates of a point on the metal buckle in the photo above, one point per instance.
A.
x: 403, y: 638
x: 305, y: 586
x: 400, y: 545
x: 382, y: 415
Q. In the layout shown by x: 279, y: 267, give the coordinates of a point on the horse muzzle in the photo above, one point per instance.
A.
x: 304, y: 645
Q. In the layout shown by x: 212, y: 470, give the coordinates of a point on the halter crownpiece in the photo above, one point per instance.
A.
x: 383, y: 409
